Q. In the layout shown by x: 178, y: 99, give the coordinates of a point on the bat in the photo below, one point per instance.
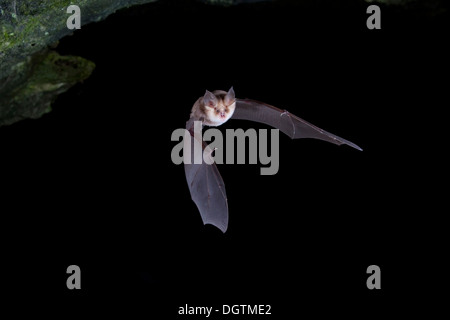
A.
x: 215, y: 108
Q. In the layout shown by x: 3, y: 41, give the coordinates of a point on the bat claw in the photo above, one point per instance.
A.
x: 284, y: 113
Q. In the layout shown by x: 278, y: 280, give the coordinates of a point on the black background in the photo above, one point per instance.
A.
x: 92, y: 182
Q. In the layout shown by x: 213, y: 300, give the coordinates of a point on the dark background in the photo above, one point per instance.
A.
x: 92, y: 182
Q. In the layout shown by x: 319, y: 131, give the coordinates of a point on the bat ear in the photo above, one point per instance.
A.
x: 229, y: 98
x: 209, y: 99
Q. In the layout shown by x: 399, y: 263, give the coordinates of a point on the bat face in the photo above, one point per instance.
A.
x: 219, y: 106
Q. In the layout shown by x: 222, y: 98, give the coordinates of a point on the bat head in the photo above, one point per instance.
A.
x: 219, y: 106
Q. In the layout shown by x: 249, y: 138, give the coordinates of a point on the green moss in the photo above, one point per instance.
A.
x: 39, y: 23
x: 30, y: 75
x: 43, y: 77
x: 56, y: 71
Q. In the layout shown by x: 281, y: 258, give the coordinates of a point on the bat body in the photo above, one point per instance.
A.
x: 215, y: 108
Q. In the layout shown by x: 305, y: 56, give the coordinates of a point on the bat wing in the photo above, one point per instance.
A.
x: 288, y: 123
x: 207, y: 189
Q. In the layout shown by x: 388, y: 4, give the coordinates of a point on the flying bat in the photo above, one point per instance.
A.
x: 215, y: 108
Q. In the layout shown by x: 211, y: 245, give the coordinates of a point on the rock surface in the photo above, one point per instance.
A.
x: 37, y: 81
x: 30, y: 75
